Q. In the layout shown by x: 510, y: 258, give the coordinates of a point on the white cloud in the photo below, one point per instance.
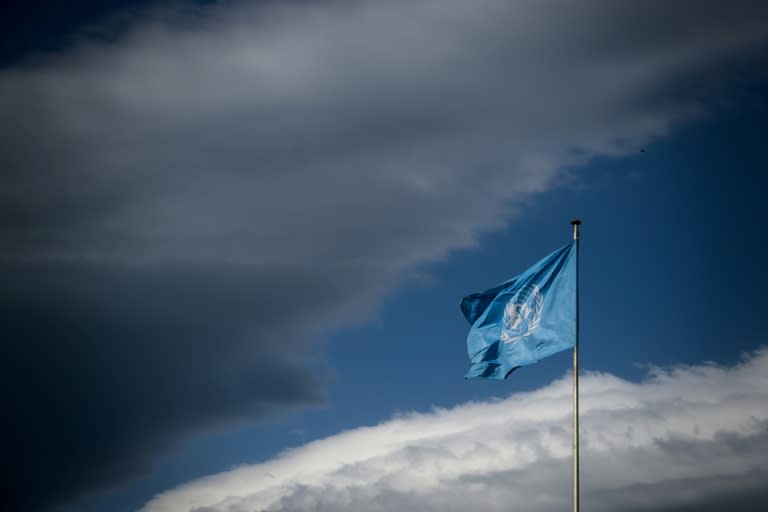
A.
x: 685, y: 436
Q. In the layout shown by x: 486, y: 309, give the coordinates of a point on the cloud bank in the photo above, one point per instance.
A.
x: 683, y: 439
x: 262, y: 134
x: 187, y: 205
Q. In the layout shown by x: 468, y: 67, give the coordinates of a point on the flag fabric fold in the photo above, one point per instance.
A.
x: 527, y: 318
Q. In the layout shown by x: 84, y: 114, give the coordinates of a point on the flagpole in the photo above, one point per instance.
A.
x: 575, y: 224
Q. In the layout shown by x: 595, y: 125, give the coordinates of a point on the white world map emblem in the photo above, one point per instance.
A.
x: 522, y: 314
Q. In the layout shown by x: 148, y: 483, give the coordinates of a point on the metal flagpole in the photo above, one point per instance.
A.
x: 575, y: 224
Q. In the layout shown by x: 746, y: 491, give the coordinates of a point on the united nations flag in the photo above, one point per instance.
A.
x: 527, y: 318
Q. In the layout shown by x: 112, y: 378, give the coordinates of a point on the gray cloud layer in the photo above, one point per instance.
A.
x: 684, y: 439
x: 184, y: 208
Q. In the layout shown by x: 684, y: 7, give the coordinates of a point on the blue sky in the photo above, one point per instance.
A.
x: 230, y: 250
x: 660, y: 231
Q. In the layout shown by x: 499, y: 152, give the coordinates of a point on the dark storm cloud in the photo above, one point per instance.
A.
x: 185, y: 207
x: 103, y: 366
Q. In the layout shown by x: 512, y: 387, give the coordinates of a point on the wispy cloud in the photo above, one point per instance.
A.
x: 166, y: 193
x: 687, y: 436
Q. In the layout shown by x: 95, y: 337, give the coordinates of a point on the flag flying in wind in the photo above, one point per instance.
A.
x: 527, y: 318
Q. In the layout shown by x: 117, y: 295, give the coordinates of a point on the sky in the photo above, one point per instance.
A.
x: 235, y: 236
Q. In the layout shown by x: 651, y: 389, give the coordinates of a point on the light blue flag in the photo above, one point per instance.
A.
x: 527, y: 318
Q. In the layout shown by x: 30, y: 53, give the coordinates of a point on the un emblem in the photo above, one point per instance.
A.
x: 522, y: 314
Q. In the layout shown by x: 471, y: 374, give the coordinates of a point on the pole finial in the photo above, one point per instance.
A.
x: 575, y: 223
